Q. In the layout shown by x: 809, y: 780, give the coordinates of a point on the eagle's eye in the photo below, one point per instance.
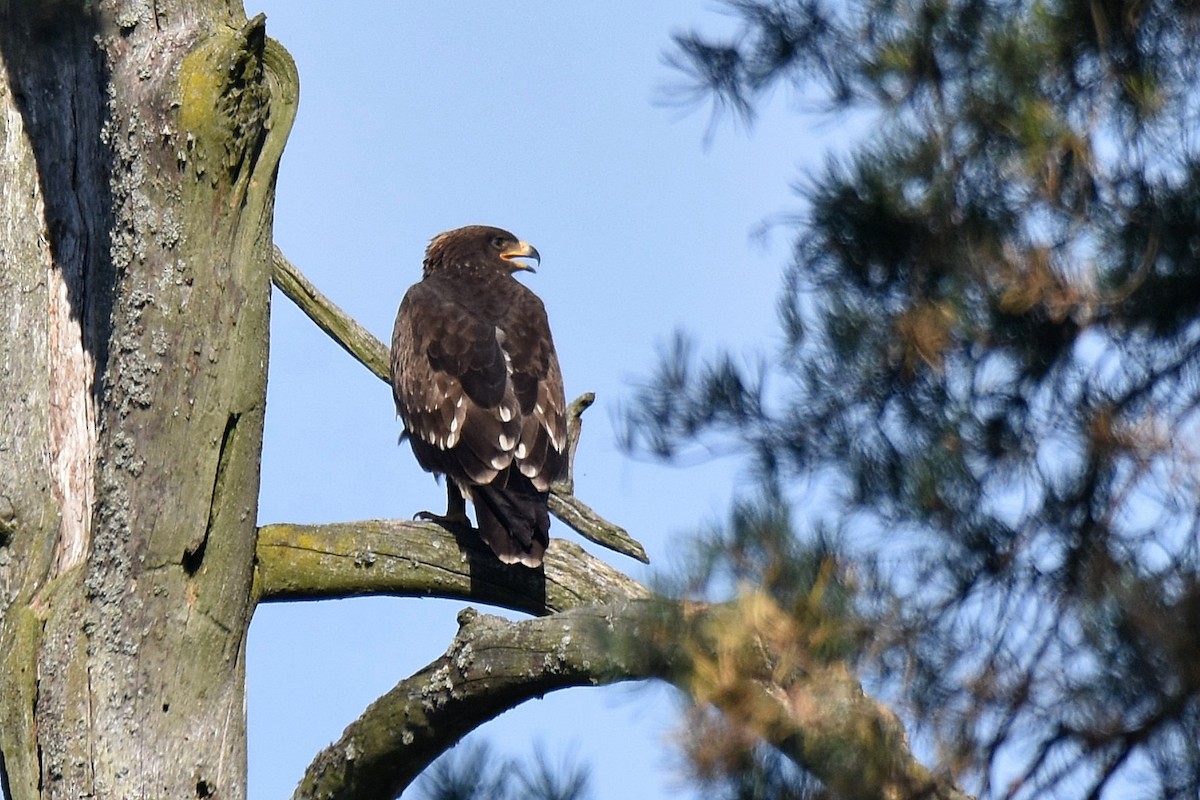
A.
x: 498, y: 242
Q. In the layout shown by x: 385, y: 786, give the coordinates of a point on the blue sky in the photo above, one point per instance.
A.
x: 540, y: 117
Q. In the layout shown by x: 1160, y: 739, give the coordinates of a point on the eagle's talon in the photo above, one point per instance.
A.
x: 451, y: 520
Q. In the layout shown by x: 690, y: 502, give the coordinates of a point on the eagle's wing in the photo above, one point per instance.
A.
x: 538, y: 386
x: 450, y: 380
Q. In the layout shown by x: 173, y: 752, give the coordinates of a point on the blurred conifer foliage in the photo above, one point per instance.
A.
x: 979, y: 447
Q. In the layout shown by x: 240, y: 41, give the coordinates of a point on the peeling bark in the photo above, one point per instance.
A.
x: 72, y: 407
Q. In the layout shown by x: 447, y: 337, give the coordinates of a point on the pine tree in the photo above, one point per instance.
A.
x: 991, y: 370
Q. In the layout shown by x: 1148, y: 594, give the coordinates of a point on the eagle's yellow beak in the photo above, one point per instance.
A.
x: 521, y: 250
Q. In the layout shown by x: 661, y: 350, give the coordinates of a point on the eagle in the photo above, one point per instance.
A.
x: 478, y: 387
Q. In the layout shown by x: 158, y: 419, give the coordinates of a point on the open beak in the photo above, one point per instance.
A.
x: 522, y: 250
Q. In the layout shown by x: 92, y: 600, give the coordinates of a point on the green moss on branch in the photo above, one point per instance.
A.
x: 419, y: 559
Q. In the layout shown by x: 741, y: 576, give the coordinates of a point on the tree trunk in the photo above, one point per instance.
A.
x: 138, y: 148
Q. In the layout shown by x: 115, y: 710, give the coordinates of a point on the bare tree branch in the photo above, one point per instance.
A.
x: 820, y: 718
x: 491, y: 666
x: 418, y: 559
x: 574, y: 429
x: 354, y: 338
x: 373, y: 354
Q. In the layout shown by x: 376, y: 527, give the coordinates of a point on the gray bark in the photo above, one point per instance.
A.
x: 138, y: 148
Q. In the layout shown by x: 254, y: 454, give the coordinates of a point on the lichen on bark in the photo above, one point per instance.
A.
x: 140, y: 282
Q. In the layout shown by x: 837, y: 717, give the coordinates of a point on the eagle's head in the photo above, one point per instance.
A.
x: 479, y: 246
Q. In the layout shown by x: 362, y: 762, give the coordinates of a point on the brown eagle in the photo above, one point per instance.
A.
x: 477, y: 384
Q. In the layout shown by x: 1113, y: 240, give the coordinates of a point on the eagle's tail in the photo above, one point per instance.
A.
x: 513, y: 519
